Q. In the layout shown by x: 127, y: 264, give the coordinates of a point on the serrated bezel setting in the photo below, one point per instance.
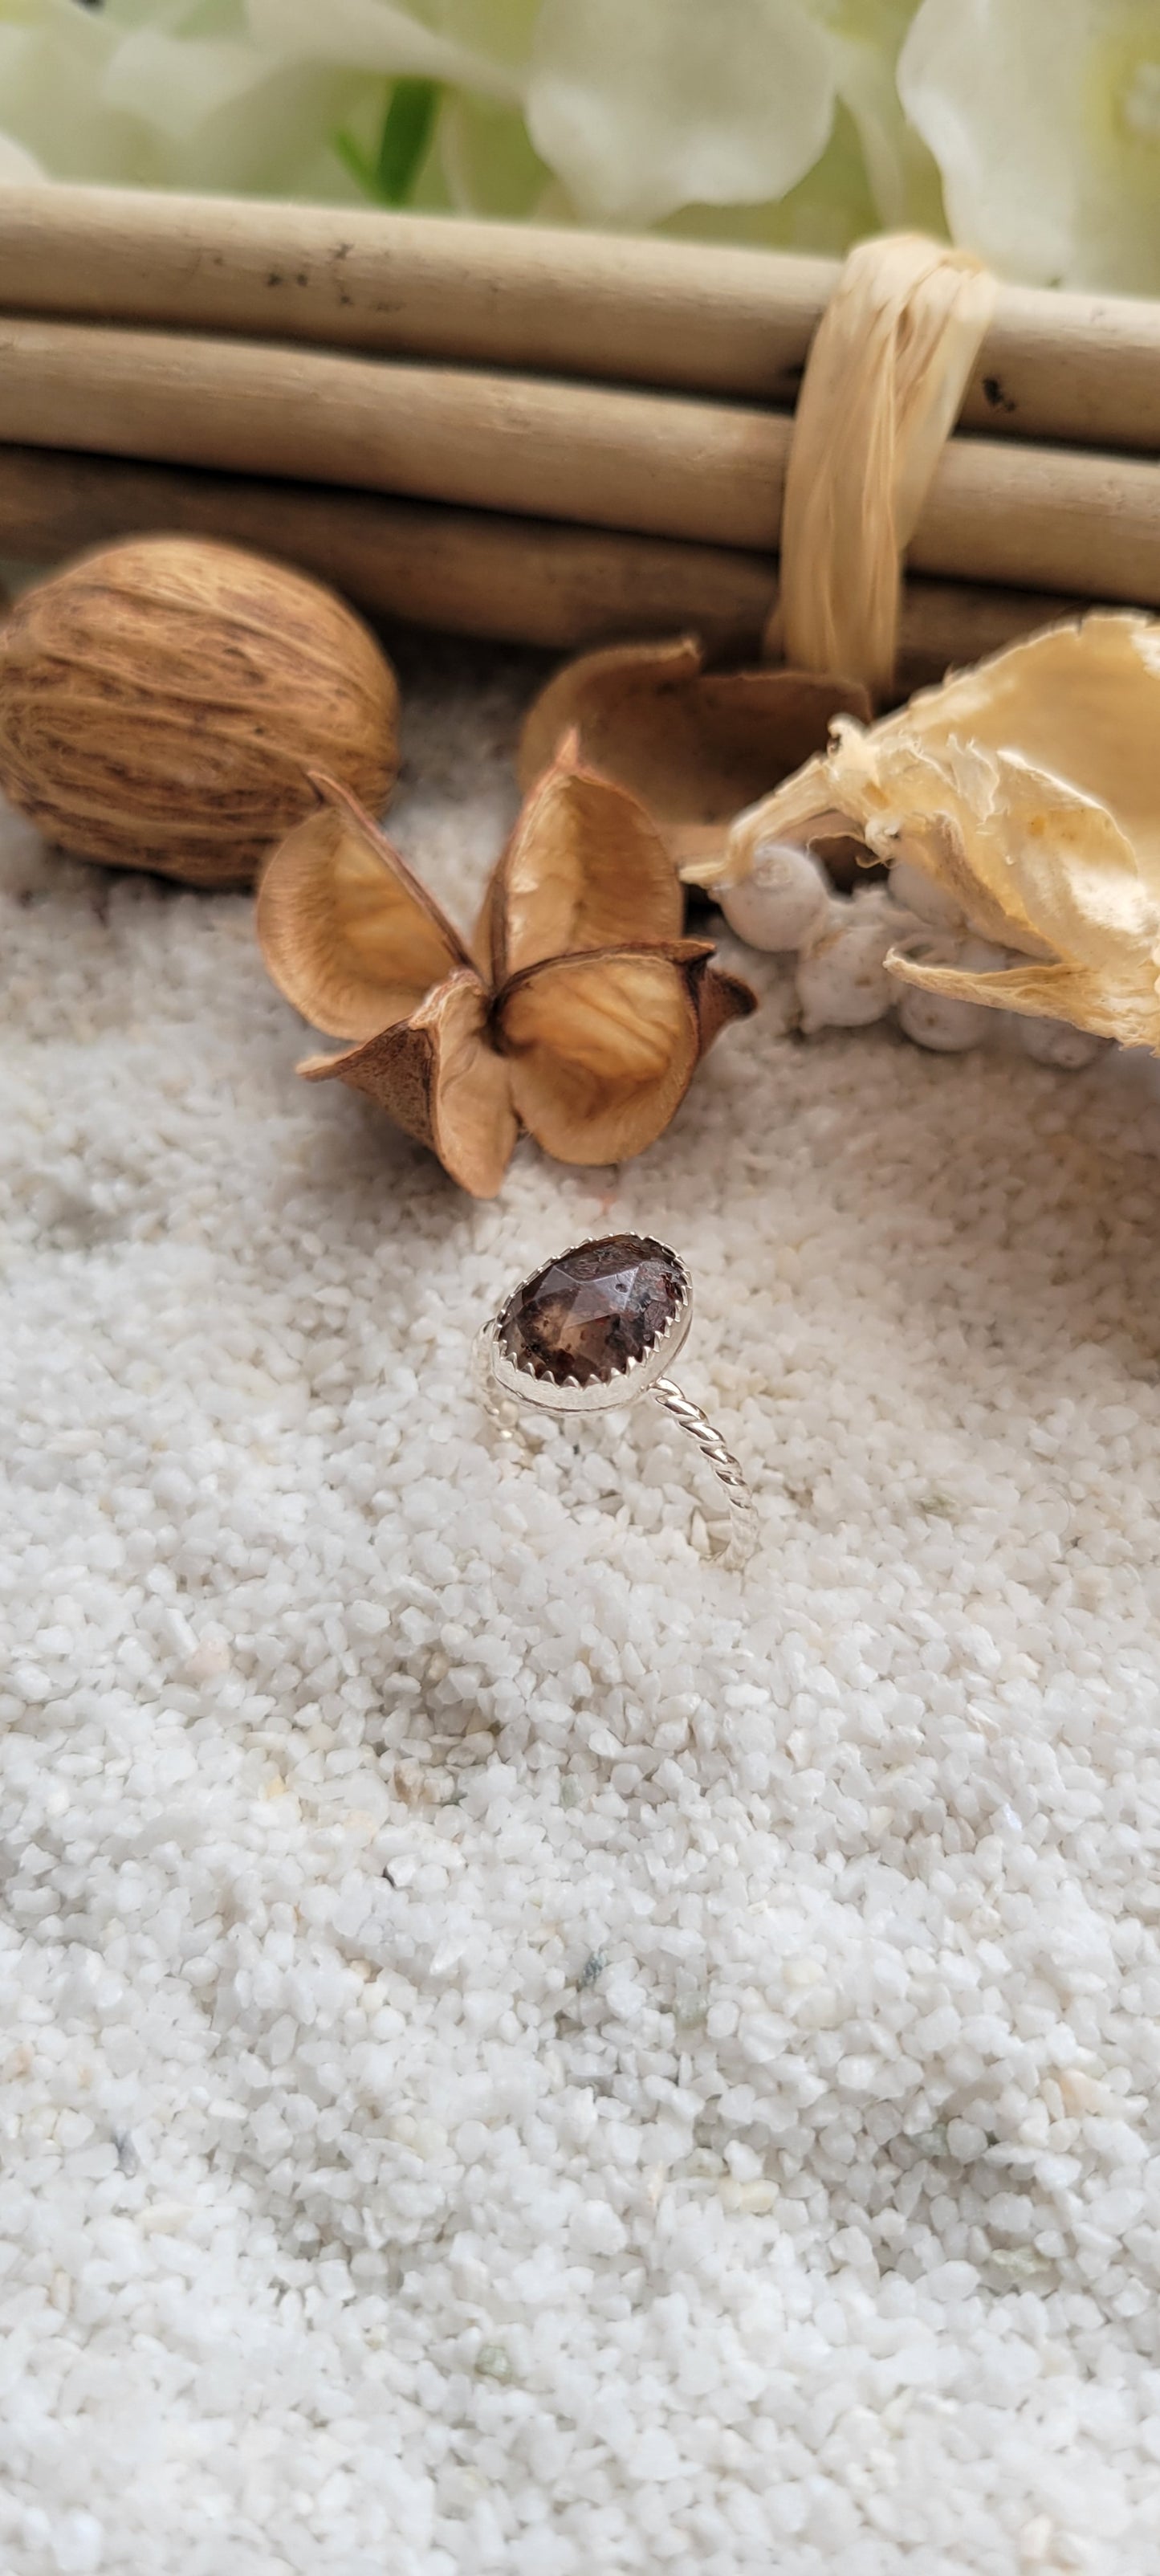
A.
x: 631, y: 1377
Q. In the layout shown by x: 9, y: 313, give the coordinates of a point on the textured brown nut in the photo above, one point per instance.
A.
x: 162, y: 702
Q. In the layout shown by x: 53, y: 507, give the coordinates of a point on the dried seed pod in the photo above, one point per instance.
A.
x: 346, y: 929
x: 693, y: 745
x: 1024, y: 793
x: 572, y: 879
x: 163, y: 701
x: 581, y: 1016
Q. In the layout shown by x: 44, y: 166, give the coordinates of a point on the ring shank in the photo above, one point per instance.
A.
x: 722, y: 1461
x: 504, y: 1413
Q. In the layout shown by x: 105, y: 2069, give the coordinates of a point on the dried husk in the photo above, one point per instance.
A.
x: 163, y: 701
x: 1025, y: 790
x: 349, y: 934
x: 692, y: 745
x: 603, y: 1048
x: 590, y: 1047
x: 568, y: 881
x: 438, y: 1077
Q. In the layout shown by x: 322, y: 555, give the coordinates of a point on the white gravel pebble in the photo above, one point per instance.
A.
x: 522, y: 2053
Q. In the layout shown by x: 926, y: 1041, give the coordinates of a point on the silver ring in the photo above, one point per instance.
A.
x: 597, y: 1327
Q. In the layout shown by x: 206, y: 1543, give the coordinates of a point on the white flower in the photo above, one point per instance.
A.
x: 173, y: 97
x: 642, y: 106
x: 488, y: 163
x: 220, y: 115
x: 865, y: 36
x: 477, y: 44
x: 477, y: 51
x: 610, y: 110
x: 1044, y: 118
x: 52, y: 61
x: 16, y: 165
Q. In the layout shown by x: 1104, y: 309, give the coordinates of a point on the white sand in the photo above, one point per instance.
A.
x: 519, y: 2052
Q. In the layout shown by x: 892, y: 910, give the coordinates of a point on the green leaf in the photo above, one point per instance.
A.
x: 407, y: 130
x: 408, y: 125
x: 355, y: 160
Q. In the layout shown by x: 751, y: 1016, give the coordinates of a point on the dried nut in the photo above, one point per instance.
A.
x: 163, y: 701
x: 784, y: 901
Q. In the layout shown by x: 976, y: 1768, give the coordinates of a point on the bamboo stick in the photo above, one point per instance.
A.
x: 652, y: 464
x: 1083, y: 369
x: 516, y: 580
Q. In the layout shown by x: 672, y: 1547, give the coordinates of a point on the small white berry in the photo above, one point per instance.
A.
x: 782, y: 903
x: 941, y: 1021
x: 1056, y: 1042
x: 841, y: 980
x: 919, y: 894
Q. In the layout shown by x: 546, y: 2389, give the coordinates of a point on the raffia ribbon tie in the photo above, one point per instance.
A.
x: 881, y: 392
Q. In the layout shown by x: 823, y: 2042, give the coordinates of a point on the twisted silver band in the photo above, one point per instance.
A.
x: 738, y: 1547
x: 572, y: 1340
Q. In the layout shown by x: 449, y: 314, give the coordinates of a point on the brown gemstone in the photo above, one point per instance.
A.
x: 589, y: 1314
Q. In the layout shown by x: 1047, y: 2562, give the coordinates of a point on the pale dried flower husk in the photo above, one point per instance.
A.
x: 1026, y: 792
x: 163, y: 701
x: 578, y: 1012
x: 693, y: 745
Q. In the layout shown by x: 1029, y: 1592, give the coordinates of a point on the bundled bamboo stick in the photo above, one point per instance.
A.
x: 1083, y: 369
x: 653, y: 464
x: 342, y: 389
x: 520, y: 580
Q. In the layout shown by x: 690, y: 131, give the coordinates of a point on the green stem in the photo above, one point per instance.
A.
x: 408, y: 125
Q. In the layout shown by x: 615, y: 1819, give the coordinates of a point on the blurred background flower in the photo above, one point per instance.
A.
x: 1030, y: 129
x: 1044, y: 117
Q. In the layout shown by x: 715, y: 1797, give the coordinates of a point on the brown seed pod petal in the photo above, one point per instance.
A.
x: 347, y: 933
x: 602, y: 1048
x: 439, y: 1078
x: 719, y: 998
x: 695, y: 746
x: 487, y: 933
x: 163, y: 700
x: 585, y: 868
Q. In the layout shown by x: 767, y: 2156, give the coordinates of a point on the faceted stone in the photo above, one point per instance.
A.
x: 587, y: 1315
